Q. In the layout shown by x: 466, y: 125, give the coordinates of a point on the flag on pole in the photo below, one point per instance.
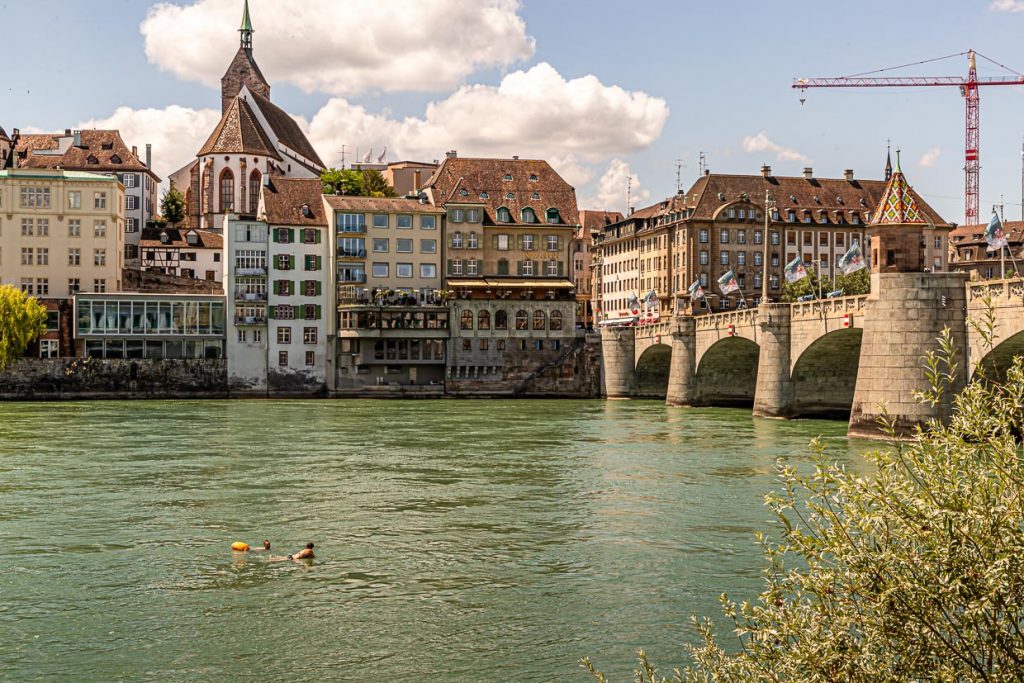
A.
x: 383, y: 156
x: 852, y: 260
x: 696, y: 291
x: 633, y: 304
x: 795, y: 270
x: 651, y: 298
x: 727, y: 283
x: 368, y: 157
x: 994, y: 234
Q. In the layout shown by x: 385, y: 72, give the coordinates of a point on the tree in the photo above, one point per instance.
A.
x: 915, y: 573
x: 22, y: 320
x: 172, y: 206
x: 855, y: 283
x: 355, y: 183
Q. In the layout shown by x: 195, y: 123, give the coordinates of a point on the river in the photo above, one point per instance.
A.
x: 455, y: 540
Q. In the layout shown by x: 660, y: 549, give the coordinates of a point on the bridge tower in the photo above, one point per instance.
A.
x: 907, y: 310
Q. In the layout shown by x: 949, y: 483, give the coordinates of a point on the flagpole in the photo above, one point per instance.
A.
x: 1002, y: 263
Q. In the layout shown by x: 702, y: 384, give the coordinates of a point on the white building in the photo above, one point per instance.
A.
x: 245, y: 289
x: 255, y: 138
x: 196, y: 254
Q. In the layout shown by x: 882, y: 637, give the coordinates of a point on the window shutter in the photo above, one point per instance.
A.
x: 319, y: 310
x: 494, y: 239
x: 519, y: 267
x: 560, y: 242
x: 536, y: 268
x: 319, y: 262
x: 277, y: 286
x: 296, y: 312
x: 291, y: 262
x: 308, y: 262
x: 319, y: 287
x: 561, y: 269
x: 275, y: 235
x: 449, y: 266
x: 519, y: 239
x: 316, y: 237
x: 291, y: 234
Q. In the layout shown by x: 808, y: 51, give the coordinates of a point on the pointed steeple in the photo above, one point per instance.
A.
x: 246, y: 29
x: 897, y: 206
x: 888, y: 163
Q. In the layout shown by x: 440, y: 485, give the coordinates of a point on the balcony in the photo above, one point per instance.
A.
x: 247, y: 320
x: 352, y: 278
x: 251, y: 272
x: 351, y: 253
x: 250, y: 296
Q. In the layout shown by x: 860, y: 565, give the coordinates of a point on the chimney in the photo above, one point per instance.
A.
x: 451, y: 154
x: 515, y: 157
x: 149, y: 156
x: 766, y: 171
x: 632, y: 210
x: 848, y: 174
x: 707, y: 171
x: 416, y: 180
x: 78, y: 138
x: 266, y: 180
x: 67, y: 132
x: 135, y: 151
x: 808, y: 172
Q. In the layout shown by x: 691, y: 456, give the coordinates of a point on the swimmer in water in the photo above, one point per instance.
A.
x: 265, y: 548
x: 304, y: 554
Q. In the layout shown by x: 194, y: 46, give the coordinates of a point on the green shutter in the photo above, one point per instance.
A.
x: 291, y: 234
x: 319, y: 311
x: 316, y: 237
x: 296, y: 312
x: 536, y: 270
x: 307, y: 262
x: 319, y: 288
x: 319, y: 262
x: 276, y: 239
x: 291, y: 262
x: 277, y: 286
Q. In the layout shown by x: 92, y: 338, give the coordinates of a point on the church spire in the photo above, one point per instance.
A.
x: 888, y: 161
x: 246, y: 29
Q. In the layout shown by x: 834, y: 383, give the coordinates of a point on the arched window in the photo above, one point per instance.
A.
x: 466, y: 320
x: 504, y: 215
x: 500, y: 320
x: 457, y: 240
x: 540, y: 321
x: 522, y: 320
x: 255, y: 180
x: 227, y: 191
x: 552, y: 216
x: 483, y: 320
x: 529, y: 216
x: 556, y: 320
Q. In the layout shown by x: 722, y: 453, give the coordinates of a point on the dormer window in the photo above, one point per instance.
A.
x: 504, y: 215
x: 108, y: 145
x: 792, y: 198
x: 839, y: 201
x: 192, y: 238
x: 817, y: 199
x: 91, y: 160
x: 164, y: 237
x: 306, y: 211
x: 535, y: 196
x: 463, y: 193
x: 862, y: 202
x: 510, y: 195
x: 529, y: 216
x: 508, y: 177
x: 484, y: 195
x: 115, y: 159
x: 533, y: 177
x: 554, y: 219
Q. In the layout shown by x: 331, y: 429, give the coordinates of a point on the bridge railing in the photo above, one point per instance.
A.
x: 713, y: 321
x: 819, y: 308
x: 662, y: 328
x: 1011, y: 288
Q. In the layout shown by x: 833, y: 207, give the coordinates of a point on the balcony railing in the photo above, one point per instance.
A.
x: 250, y: 296
x: 251, y: 271
x: 351, y: 253
x: 353, y: 278
x: 250, y: 320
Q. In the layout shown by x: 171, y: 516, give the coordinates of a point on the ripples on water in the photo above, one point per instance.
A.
x: 463, y: 541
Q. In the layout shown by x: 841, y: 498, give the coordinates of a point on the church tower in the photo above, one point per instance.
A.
x: 243, y: 69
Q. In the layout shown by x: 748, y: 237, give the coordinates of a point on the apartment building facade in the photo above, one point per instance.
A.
x: 195, y: 254
x: 61, y: 232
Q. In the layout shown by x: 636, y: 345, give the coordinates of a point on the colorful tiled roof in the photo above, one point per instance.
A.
x: 897, y: 205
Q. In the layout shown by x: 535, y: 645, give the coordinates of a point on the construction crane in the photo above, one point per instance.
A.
x: 968, y: 89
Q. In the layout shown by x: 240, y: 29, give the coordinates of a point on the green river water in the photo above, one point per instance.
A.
x: 455, y: 540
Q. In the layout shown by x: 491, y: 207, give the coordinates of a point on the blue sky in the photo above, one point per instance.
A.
x: 722, y: 69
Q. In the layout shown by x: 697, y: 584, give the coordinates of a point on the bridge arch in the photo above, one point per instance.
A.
x: 727, y: 373
x: 652, y: 371
x: 825, y: 375
x: 996, y: 362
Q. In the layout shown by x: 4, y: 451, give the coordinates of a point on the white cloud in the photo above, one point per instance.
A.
x: 761, y: 143
x: 1007, y: 6
x: 929, y: 158
x: 614, y: 187
x: 176, y: 133
x: 530, y: 113
x: 342, y: 48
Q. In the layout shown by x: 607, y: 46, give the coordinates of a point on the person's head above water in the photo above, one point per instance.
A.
x: 309, y: 545
x: 266, y: 544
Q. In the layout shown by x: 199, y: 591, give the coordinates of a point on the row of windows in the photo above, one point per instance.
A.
x: 282, y: 358
x: 500, y: 344
x: 156, y: 350
x: 290, y: 288
x: 227, y: 190
x: 151, y: 317
x: 525, y: 268
x: 287, y: 235
x: 39, y: 198
x: 355, y: 247
x: 284, y: 335
x: 541, y: 320
x: 824, y: 239
x: 40, y: 227
x: 725, y: 235
x: 41, y: 257
x: 356, y: 222
x: 724, y: 258
x: 404, y: 270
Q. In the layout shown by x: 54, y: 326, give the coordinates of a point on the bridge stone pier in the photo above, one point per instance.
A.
x: 1005, y: 300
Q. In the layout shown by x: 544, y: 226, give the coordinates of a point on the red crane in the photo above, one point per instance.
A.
x: 968, y: 89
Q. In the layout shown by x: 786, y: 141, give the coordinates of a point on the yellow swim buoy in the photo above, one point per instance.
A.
x: 240, y: 546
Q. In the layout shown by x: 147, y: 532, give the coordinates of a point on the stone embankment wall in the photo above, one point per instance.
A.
x: 90, y: 378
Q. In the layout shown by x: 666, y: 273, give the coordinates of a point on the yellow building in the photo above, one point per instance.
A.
x: 61, y: 232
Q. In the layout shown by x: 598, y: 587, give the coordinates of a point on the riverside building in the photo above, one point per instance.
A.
x: 392, y: 319
x: 510, y: 227
x: 61, y: 232
x: 195, y: 254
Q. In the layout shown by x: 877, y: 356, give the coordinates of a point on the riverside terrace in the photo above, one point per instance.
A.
x: 841, y: 356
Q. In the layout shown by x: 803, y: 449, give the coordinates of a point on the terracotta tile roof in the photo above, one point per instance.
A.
x: 380, y: 204
x: 3, y: 134
x: 833, y: 196
x: 591, y: 220
x: 287, y: 129
x: 239, y: 132
x: 100, y: 151
x: 177, y: 238
x: 971, y: 235
x: 484, y: 182
x: 284, y: 198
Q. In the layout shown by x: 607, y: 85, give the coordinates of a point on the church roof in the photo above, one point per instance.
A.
x: 287, y: 129
x: 3, y: 134
x: 897, y: 205
x: 239, y: 132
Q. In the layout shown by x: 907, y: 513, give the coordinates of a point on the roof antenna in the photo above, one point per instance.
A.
x: 679, y: 174
x: 703, y: 163
x: 629, y: 193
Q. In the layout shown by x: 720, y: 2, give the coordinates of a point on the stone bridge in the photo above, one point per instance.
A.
x: 830, y: 358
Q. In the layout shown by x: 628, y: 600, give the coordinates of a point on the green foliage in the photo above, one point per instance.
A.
x: 915, y: 573
x: 355, y: 183
x: 852, y: 285
x: 22, y: 320
x: 172, y: 206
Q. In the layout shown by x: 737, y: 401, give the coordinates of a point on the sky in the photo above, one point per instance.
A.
x: 615, y: 95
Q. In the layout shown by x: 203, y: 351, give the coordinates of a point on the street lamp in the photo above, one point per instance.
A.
x: 769, y: 204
